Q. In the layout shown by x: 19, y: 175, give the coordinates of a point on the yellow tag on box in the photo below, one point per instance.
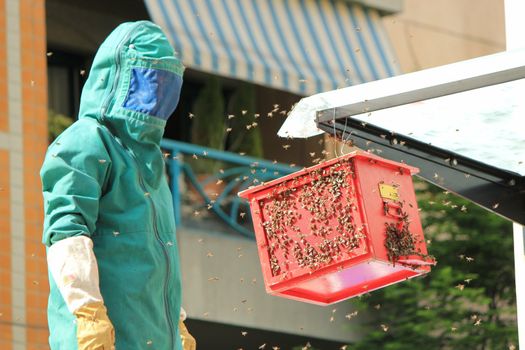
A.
x: 389, y: 192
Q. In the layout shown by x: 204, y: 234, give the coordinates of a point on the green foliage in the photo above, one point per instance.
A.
x: 468, y: 299
x: 208, y: 124
x: 56, y: 123
x: 245, y: 136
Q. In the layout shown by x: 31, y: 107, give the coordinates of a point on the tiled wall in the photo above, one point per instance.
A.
x: 23, y: 140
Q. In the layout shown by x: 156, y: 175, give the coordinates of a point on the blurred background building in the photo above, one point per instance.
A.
x: 247, y: 64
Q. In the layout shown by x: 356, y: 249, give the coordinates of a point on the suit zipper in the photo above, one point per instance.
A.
x: 166, y: 256
x: 164, y: 251
x: 157, y: 237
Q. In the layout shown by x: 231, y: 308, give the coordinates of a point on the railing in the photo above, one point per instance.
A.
x: 238, y: 173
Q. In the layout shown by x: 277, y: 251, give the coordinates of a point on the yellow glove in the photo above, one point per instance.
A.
x: 94, y: 329
x: 188, y: 342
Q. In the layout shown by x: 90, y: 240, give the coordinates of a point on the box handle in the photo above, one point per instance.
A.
x: 392, y: 209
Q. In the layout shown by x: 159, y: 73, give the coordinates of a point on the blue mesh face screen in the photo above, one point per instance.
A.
x: 154, y: 92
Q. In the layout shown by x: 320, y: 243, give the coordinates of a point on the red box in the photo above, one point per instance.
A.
x: 338, y: 229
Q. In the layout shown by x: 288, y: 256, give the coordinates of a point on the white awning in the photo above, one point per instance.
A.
x: 302, y: 46
x: 481, y: 96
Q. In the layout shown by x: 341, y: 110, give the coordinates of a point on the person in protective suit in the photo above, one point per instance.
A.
x: 109, y: 226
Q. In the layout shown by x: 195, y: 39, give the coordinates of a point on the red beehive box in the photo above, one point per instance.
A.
x: 338, y: 229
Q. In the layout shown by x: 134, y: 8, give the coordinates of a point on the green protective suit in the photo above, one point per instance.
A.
x: 104, y: 177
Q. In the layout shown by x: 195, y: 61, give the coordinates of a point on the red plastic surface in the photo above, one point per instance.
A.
x: 322, y: 231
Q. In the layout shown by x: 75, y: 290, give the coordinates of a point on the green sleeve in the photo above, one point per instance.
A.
x: 73, y: 175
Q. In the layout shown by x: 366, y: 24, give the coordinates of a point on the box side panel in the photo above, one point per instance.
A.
x: 388, y: 198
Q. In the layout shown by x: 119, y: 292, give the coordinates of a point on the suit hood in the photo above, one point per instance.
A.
x: 134, y: 83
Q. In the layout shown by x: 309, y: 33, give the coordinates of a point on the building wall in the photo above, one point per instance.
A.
x: 431, y: 33
x: 23, y: 140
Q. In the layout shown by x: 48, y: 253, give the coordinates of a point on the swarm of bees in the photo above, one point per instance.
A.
x: 309, y: 221
x: 399, y: 241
